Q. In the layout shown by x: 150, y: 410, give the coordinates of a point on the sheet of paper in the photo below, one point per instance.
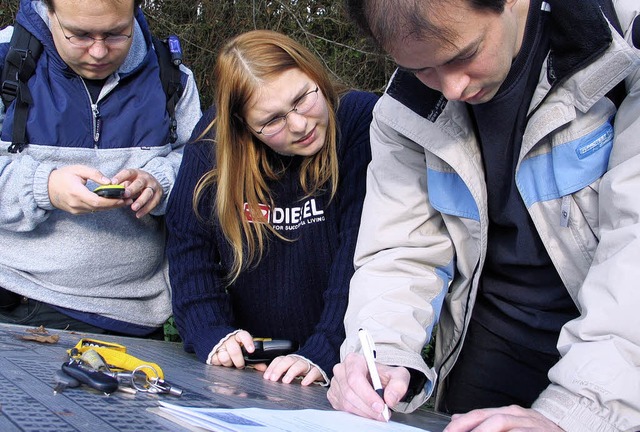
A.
x: 257, y: 419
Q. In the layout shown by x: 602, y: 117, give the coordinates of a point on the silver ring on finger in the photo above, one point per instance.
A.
x: 153, y: 191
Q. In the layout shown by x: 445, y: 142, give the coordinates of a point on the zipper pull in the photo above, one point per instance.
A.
x: 565, y: 211
x: 97, y: 122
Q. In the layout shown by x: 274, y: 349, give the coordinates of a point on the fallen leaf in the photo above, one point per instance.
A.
x: 38, y: 330
x: 41, y: 338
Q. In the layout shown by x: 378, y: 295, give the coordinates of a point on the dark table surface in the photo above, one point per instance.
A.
x: 28, y: 403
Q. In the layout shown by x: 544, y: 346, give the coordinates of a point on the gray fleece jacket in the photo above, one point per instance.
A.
x: 108, y: 263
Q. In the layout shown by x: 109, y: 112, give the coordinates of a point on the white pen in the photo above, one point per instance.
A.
x: 369, y: 350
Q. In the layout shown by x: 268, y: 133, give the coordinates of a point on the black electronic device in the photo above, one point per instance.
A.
x: 268, y: 349
x: 93, y: 378
x: 110, y: 191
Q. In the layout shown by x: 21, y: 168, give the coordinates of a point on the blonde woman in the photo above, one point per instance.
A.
x: 264, y: 215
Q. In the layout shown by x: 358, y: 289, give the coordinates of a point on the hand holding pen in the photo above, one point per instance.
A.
x: 369, y: 351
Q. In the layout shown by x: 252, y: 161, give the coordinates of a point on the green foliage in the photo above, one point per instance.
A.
x: 171, y: 331
x: 8, y: 9
x: 428, y: 351
x: 203, y: 26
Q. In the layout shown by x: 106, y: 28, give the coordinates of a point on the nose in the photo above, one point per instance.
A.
x: 296, y: 122
x: 98, y: 50
x: 452, y: 84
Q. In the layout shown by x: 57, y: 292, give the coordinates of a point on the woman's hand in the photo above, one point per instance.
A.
x: 289, y: 367
x: 229, y: 354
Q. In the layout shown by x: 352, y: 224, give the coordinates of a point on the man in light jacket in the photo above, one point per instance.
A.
x: 503, y: 205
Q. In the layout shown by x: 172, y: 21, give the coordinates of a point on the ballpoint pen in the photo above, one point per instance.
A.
x: 369, y: 350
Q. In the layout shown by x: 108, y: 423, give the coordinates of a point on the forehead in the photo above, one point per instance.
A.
x: 277, y: 94
x: 92, y: 14
x: 452, y: 26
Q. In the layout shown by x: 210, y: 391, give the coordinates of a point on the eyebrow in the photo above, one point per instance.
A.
x: 116, y: 30
x: 463, y: 53
x: 301, y: 93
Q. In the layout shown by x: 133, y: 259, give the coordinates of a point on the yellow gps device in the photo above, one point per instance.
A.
x: 110, y: 191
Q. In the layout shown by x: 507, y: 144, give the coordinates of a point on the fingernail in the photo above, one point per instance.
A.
x: 377, y: 407
x: 105, y: 180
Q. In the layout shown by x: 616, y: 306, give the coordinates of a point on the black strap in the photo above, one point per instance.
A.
x: 170, y: 78
x: 19, y: 66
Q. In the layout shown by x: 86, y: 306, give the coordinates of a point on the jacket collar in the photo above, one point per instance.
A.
x: 570, y: 52
x: 33, y: 16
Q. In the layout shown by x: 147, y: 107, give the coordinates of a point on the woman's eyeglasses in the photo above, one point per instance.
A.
x: 301, y: 106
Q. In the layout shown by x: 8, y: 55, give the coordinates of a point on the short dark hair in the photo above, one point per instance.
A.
x: 380, y: 23
x: 49, y: 4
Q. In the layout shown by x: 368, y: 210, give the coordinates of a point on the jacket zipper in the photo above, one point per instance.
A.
x: 96, y: 123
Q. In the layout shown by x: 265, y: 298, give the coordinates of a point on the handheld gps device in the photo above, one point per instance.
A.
x: 268, y: 349
x: 110, y: 191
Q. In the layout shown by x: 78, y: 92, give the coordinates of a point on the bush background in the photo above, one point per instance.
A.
x: 204, y: 25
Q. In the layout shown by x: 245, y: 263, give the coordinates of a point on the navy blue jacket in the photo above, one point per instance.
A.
x: 62, y: 113
x: 299, y: 290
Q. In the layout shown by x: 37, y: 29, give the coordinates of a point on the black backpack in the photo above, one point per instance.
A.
x: 20, y: 65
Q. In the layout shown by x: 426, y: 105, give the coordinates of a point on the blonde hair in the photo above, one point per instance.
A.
x: 242, y: 167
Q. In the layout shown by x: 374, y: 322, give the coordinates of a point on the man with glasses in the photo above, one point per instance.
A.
x: 71, y: 258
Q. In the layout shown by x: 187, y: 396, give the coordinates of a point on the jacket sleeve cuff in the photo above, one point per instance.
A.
x: 421, y: 374
x: 571, y: 412
x: 41, y: 186
x: 319, y: 351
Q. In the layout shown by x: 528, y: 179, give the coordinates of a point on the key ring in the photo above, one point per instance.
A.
x: 149, y: 383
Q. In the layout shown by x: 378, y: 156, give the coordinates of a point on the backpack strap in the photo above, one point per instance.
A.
x: 169, y: 60
x: 19, y: 66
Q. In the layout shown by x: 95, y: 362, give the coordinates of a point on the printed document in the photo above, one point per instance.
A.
x: 258, y: 420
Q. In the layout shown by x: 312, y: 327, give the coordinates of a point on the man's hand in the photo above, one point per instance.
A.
x: 352, y: 391
x: 141, y: 187
x: 68, y: 190
x: 501, y: 419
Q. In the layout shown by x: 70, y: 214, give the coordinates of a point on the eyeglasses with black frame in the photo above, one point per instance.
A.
x: 301, y: 106
x: 86, y: 41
